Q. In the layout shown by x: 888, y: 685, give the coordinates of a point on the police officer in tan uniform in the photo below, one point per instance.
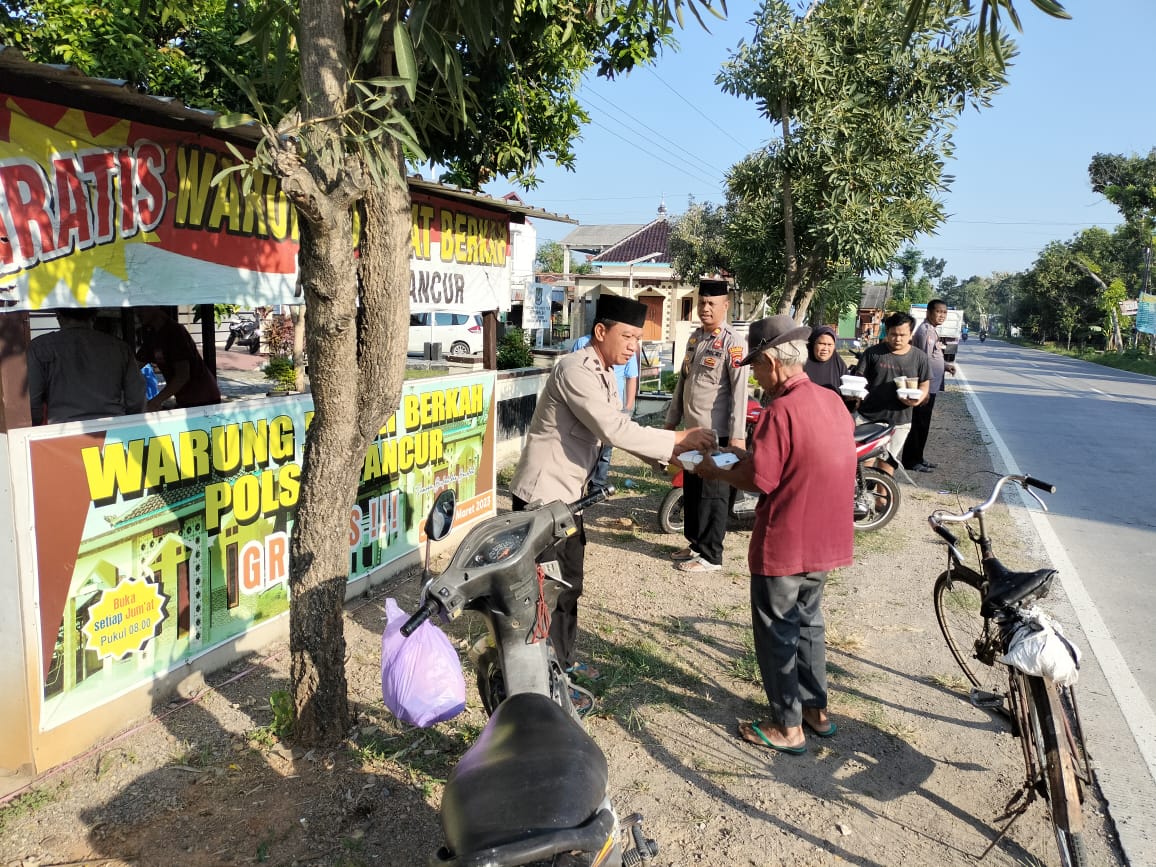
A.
x: 579, y: 410
x: 712, y: 393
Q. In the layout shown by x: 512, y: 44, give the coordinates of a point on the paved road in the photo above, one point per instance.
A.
x: 1091, y: 430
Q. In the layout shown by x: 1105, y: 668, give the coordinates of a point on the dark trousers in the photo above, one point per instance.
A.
x: 706, y: 508
x: 917, y: 438
x: 790, y: 643
x: 571, y: 556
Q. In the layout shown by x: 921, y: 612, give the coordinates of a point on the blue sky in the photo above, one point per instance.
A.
x: 1077, y: 88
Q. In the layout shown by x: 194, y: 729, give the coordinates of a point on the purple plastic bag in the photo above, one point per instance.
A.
x: 421, y: 676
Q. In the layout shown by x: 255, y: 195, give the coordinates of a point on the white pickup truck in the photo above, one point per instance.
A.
x: 950, y: 329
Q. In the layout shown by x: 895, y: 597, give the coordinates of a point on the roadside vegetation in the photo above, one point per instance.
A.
x: 1133, y: 360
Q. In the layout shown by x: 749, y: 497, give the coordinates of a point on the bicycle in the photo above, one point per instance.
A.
x: 979, y: 613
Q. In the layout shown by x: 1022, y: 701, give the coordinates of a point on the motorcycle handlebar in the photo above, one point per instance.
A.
x: 590, y: 499
x: 419, y: 617
x: 1043, y: 486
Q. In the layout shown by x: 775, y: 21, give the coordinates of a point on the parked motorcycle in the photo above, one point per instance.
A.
x: 670, y: 513
x: 534, y: 787
x: 877, y: 495
x: 245, y: 331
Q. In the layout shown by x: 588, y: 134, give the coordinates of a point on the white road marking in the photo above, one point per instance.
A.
x: 1134, y: 706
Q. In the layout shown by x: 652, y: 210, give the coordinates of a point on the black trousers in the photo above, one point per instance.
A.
x: 790, y: 643
x: 917, y: 438
x: 571, y: 556
x: 706, y: 508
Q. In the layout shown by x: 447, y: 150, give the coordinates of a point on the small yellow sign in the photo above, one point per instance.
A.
x: 124, y: 619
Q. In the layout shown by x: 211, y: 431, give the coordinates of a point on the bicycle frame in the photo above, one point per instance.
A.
x: 1055, y: 757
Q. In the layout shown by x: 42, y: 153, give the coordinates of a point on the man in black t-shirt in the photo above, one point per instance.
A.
x: 881, y: 365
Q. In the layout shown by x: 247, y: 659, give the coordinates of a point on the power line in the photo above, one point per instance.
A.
x: 709, y: 120
x: 683, y: 169
x: 662, y: 136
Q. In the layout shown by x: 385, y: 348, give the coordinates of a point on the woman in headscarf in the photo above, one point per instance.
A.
x: 824, y: 366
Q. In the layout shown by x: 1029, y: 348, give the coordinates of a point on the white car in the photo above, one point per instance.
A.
x: 458, y: 333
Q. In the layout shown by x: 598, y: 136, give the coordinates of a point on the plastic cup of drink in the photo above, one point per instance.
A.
x: 912, y: 382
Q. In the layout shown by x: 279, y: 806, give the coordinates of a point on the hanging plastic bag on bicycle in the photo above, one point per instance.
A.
x: 1037, y: 647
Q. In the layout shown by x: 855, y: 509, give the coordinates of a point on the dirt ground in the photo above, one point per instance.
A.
x: 915, y: 775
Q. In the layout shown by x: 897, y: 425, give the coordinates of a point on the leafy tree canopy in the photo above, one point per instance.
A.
x: 866, y: 128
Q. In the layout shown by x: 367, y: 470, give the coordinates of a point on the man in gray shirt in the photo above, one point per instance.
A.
x: 79, y: 373
x: 927, y: 338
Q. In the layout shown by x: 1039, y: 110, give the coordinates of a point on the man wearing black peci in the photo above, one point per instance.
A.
x: 712, y: 393
x: 578, y: 411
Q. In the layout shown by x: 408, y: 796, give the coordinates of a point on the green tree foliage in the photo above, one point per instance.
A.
x: 1129, y: 183
x: 933, y: 268
x: 863, y: 129
x: 989, y: 15
x: 513, y: 351
x: 184, y: 51
x: 1069, y: 292
x: 550, y: 258
x: 698, y: 244
x: 346, y: 93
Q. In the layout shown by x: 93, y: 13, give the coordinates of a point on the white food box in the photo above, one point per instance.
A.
x: 910, y: 393
x: 690, y: 460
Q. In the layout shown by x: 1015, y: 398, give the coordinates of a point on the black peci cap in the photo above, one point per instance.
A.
x: 617, y: 309
x: 708, y: 288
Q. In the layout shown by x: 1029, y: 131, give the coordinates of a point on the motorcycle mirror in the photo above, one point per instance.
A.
x: 441, y: 516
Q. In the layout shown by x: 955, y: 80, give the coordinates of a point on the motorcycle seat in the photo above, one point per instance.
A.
x: 1006, y: 588
x: 532, y: 771
x: 869, y: 431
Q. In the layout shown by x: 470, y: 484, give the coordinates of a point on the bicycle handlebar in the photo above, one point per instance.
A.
x: 939, y: 517
x: 1036, y: 483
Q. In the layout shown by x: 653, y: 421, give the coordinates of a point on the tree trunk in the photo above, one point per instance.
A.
x: 791, y: 277
x: 334, y: 449
x: 323, y: 183
x: 354, y: 328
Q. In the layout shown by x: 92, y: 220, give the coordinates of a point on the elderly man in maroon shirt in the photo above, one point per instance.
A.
x: 802, y: 461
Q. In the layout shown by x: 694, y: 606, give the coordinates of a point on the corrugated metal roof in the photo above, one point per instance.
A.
x: 874, y: 296
x: 595, y: 239
x: 416, y: 182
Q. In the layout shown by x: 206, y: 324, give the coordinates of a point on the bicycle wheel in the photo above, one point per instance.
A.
x: 970, y: 637
x: 1049, y: 734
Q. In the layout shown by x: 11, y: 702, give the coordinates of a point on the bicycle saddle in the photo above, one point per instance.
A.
x: 1006, y: 588
x: 869, y: 431
x: 532, y: 771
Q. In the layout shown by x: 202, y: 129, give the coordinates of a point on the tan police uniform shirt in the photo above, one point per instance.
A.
x: 577, y: 411
x: 711, y: 391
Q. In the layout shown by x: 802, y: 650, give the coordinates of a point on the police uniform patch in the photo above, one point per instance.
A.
x: 736, y: 355
x: 709, y: 361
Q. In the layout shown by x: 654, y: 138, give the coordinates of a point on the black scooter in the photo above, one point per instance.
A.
x: 983, y: 337
x: 534, y: 787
